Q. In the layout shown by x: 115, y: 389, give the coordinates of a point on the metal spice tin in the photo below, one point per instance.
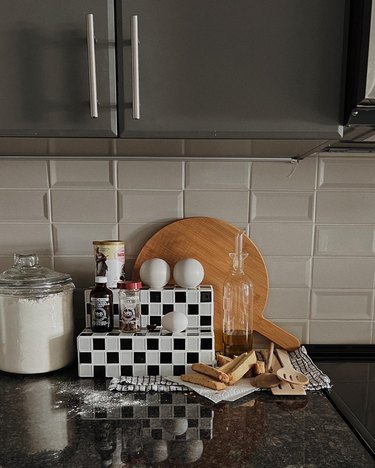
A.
x: 110, y: 260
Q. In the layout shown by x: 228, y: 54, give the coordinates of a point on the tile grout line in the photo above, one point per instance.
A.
x: 49, y: 203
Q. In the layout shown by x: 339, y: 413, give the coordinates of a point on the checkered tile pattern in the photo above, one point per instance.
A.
x: 197, y: 304
x: 157, y: 352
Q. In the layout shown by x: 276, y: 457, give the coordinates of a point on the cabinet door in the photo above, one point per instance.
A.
x: 44, y: 82
x: 244, y: 68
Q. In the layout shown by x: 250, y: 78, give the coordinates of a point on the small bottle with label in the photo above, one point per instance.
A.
x: 101, y: 300
x: 129, y: 305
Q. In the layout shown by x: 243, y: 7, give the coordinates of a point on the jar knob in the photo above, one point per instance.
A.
x: 26, y: 260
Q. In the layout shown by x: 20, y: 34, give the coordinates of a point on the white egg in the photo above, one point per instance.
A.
x: 175, y: 322
x: 155, y: 273
x: 188, y: 273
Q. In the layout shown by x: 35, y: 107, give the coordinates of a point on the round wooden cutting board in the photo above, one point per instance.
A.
x: 210, y: 241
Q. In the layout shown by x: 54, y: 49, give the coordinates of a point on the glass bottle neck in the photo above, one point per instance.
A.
x: 238, y: 262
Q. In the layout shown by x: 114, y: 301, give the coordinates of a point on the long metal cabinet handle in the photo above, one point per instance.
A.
x: 92, y: 65
x: 135, y: 67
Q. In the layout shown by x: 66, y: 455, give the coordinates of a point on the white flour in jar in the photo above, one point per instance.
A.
x: 36, y: 334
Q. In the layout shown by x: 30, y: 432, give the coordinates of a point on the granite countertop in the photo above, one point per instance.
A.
x: 61, y: 420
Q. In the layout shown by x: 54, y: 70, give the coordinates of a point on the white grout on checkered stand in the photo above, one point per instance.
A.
x: 156, y: 352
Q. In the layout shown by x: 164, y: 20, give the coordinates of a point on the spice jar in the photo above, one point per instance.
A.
x: 129, y: 305
x: 36, y: 318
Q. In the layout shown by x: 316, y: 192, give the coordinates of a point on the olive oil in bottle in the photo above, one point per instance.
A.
x: 237, y: 305
x: 237, y: 342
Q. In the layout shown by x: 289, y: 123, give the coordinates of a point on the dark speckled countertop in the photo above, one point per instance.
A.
x: 60, y: 420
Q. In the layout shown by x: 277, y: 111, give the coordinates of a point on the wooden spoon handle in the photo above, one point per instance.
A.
x: 284, y: 358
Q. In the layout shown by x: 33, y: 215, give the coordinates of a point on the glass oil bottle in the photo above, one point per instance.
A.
x: 237, y: 305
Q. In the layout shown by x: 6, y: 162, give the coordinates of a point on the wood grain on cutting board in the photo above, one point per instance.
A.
x: 210, y: 241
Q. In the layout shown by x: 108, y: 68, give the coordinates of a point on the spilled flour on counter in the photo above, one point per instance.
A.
x: 83, y: 399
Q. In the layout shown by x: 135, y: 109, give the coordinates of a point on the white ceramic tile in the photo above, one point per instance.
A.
x: 219, y: 175
x: 288, y: 303
x: 340, y: 332
x: 288, y: 272
x: 81, y: 269
x: 281, y: 206
x: 342, y: 304
x: 139, y: 206
x: 298, y: 328
x: 340, y: 272
x: 345, y: 207
x: 282, y: 176
x: 18, y: 238
x: 78, y: 146
x: 347, y: 173
x: 84, y: 206
x: 76, y: 239
x: 229, y: 206
x: 136, y: 235
x: 23, y: 174
x: 212, y: 148
x: 149, y: 147
x: 282, y: 238
x: 23, y: 206
x: 150, y: 175
x: 129, y: 265
x: 81, y: 174
x: 345, y: 240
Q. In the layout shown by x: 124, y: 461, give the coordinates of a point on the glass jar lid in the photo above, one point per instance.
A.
x: 27, y: 278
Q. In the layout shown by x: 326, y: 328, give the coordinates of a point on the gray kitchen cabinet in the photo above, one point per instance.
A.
x: 44, y: 79
x: 231, y: 69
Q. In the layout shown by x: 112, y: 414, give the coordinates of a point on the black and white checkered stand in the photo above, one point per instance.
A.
x: 151, y: 353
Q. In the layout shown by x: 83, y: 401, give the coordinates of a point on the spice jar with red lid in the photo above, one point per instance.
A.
x: 129, y: 305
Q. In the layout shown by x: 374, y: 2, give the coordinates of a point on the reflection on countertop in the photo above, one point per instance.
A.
x: 60, y: 420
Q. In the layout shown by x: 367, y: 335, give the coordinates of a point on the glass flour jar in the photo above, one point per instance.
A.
x: 36, y: 318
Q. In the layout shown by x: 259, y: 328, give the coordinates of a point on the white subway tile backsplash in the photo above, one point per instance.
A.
x: 137, y: 234
x: 76, y: 239
x: 343, y: 273
x: 281, y: 176
x: 340, y: 331
x: 18, y: 238
x: 345, y: 207
x: 342, y: 304
x: 289, y: 272
x: 283, y: 238
x: 84, y: 206
x: 347, y: 173
x: 319, y: 250
x: 217, y: 175
x: 81, y: 269
x: 17, y: 174
x: 282, y: 206
x: 23, y: 206
x: 96, y: 175
x: 84, y: 146
x: 288, y: 303
x: 298, y: 328
x: 139, y: 206
x: 150, y: 175
x: 228, y: 205
x: 341, y: 239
